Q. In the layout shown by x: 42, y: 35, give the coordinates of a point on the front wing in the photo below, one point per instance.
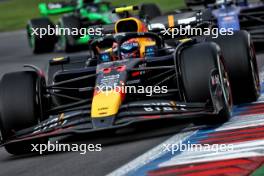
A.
x: 80, y: 121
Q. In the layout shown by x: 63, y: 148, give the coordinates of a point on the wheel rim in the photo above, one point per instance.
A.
x: 254, y: 71
x: 31, y: 38
x: 62, y: 42
x: 225, y: 84
x: 1, y: 136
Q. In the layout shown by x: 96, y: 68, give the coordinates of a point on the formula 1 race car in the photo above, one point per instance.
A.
x: 132, y: 76
x: 78, y: 14
x: 238, y: 14
x: 69, y: 34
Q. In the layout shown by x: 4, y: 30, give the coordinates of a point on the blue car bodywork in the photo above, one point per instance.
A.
x: 241, y: 16
x: 227, y: 17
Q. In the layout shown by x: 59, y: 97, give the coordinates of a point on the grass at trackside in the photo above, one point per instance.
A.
x: 15, y: 13
x: 259, y: 171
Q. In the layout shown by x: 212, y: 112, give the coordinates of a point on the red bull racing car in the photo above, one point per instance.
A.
x: 131, y: 76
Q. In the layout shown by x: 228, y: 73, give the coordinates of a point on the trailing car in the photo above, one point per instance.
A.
x: 69, y: 34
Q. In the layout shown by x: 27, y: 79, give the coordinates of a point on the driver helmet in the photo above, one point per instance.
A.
x: 130, y: 49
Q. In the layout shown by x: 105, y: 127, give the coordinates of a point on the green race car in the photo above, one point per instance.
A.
x: 72, y: 31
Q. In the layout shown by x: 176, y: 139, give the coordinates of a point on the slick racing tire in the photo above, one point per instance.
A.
x: 240, y: 59
x: 19, y: 108
x: 150, y: 10
x: 67, y: 42
x: 196, y: 76
x: 39, y: 43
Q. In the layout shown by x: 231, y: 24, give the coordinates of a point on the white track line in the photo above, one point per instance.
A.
x: 151, y: 155
x: 252, y: 148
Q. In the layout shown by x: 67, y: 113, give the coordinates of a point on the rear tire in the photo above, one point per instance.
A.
x: 240, y: 59
x: 196, y: 75
x: 67, y: 42
x: 37, y: 43
x: 150, y: 10
x: 19, y: 108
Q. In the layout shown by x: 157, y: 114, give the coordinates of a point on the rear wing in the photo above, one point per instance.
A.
x: 160, y: 23
x: 56, y: 8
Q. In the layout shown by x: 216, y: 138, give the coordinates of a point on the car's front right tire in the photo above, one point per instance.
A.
x: 196, y: 64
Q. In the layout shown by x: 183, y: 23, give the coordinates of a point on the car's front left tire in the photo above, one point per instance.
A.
x: 19, y: 106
